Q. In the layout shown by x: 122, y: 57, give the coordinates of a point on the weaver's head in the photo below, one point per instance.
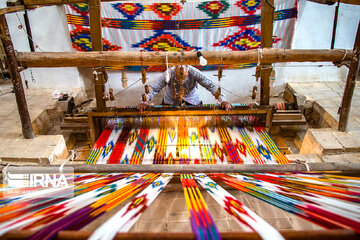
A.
x: 181, y: 72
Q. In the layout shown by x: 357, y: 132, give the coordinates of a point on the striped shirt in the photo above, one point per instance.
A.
x: 190, y: 85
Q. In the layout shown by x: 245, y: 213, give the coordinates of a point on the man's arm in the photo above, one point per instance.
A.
x: 153, y: 90
x: 210, y: 86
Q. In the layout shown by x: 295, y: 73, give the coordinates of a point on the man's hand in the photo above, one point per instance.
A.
x: 226, y: 105
x: 142, y: 107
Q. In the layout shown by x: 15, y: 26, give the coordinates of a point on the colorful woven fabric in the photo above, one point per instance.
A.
x: 332, y: 201
x: 218, y: 25
x: 320, y: 206
x: 242, y: 214
x: 202, y: 224
x: 186, y: 145
x: 132, y: 211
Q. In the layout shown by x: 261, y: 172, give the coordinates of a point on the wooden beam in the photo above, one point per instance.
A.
x: 11, y: 9
x: 328, y: 234
x: 31, y: 3
x: 267, y: 20
x: 191, y: 168
x: 96, y: 42
x: 355, y: 2
x: 108, y: 58
x: 350, y: 84
x: 27, y: 129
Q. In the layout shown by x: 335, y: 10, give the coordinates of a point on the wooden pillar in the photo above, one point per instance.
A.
x: 267, y: 19
x: 28, y: 30
x: 350, y: 84
x: 96, y: 41
x: 27, y: 129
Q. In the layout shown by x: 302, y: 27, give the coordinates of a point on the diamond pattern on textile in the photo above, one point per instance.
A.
x: 80, y: 8
x: 166, y: 10
x: 164, y: 41
x: 214, y: 8
x: 245, y: 39
x: 249, y: 6
x: 129, y: 10
x: 81, y: 41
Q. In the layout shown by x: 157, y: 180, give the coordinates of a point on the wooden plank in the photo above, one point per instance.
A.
x: 350, y: 84
x: 27, y: 129
x: 75, y: 119
x: 287, y: 116
x: 287, y: 111
x: 355, y: 2
x: 96, y: 42
x: 32, y: 3
x: 328, y: 234
x: 74, y: 126
x: 179, y: 112
x: 190, y: 168
x: 109, y: 58
x: 12, y: 9
x: 267, y: 20
x: 289, y: 122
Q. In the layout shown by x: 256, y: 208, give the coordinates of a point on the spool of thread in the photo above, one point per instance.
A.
x: 254, y: 92
x: 147, y: 89
x: 143, y: 75
x: 124, y: 79
x: 144, y: 98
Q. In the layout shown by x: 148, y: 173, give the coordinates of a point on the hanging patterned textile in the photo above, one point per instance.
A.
x: 171, y: 26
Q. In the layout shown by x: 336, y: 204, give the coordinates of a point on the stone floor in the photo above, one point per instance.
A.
x: 44, y: 112
x: 325, y: 143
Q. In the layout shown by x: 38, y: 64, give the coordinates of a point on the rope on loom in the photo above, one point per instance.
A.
x: 72, y: 157
x: 307, y: 167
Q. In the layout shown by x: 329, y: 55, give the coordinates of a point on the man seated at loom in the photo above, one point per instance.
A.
x: 181, y: 88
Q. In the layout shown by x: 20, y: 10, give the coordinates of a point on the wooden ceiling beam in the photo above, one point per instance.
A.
x: 32, y: 3
x: 355, y: 2
x: 11, y: 9
x: 118, y: 58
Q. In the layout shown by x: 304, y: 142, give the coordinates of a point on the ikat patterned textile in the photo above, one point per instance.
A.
x: 172, y: 26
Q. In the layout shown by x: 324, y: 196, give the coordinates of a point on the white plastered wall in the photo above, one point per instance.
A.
x: 313, y: 30
x: 50, y: 34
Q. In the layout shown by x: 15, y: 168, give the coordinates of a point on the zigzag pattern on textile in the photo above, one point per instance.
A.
x: 234, y: 21
x: 223, y: 143
x: 330, y: 201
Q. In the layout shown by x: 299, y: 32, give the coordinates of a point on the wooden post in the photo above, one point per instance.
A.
x: 350, y: 84
x: 27, y: 129
x: 267, y: 19
x: 96, y: 42
x: 335, y: 25
x: 28, y: 30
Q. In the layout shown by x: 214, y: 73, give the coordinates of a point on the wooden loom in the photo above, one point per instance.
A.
x: 95, y: 117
